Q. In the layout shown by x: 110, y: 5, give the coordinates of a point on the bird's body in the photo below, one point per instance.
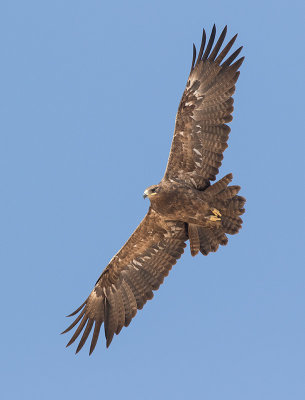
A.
x: 177, y: 201
x: 184, y: 205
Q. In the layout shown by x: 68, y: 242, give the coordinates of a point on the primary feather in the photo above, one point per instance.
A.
x: 184, y: 206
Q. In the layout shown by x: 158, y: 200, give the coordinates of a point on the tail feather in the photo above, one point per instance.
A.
x: 205, y: 242
x: 232, y: 224
x: 235, y: 206
x: 194, y: 239
x: 230, y: 206
x: 228, y: 193
x: 210, y: 239
x: 221, y: 237
x: 218, y: 187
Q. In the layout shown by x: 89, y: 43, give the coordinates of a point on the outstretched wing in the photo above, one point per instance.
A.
x: 129, y: 279
x: 201, y: 133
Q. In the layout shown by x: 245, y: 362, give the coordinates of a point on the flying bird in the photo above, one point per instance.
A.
x: 183, y: 206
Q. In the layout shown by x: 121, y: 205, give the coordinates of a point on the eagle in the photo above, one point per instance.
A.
x: 183, y: 206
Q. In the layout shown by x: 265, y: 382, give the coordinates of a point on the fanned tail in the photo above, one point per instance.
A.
x: 227, y: 207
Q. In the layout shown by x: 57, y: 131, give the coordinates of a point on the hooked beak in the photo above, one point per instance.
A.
x: 145, y: 194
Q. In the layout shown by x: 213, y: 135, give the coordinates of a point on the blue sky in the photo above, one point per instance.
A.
x: 89, y: 93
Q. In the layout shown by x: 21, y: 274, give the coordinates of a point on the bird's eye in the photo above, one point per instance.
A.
x: 153, y: 190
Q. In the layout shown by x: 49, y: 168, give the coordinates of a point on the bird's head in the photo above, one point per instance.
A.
x: 151, y: 192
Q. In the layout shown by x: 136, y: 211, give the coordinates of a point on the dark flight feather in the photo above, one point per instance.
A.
x: 205, y: 108
x: 200, y: 138
x: 130, y: 278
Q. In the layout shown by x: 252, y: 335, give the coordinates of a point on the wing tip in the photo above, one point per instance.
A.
x: 194, y: 57
x: 210, y: 51
x: 108, y: 341
x: 77, y: 310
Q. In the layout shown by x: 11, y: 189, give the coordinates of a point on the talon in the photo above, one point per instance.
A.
x: 216, y: 212
x: 213, y: 218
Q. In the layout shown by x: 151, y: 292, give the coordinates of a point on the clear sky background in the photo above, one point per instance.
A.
x: 89, y: 92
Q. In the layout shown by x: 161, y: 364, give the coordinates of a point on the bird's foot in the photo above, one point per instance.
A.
x: 216, y: 215
x: 216, y: 212
x: 213, y: 218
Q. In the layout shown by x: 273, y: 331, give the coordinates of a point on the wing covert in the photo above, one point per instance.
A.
x: 130, y: 278
x: 201, y: 130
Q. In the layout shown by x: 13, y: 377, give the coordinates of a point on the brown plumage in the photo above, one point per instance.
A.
x: 184, y: 205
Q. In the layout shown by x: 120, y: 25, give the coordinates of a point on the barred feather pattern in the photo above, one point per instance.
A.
x: 130, y: 278
x: 200, y: 138
x: 225, y: 199
x: 201, y: 130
